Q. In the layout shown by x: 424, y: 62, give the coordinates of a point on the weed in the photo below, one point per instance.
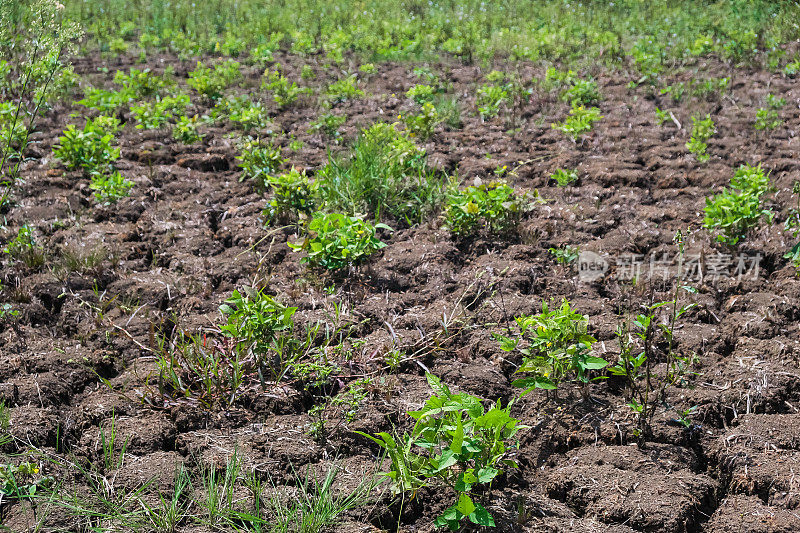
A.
x: 336, y: 241
x: 580, y: 121
x: 556, y: 347
x: 702, y: 130
x: 22, y: 481
x: 317, y: 504
x: 385, y: 173
x: 24, y: 248
x: 456, y: 442
x: 494, y: 206
x: 738, y: 208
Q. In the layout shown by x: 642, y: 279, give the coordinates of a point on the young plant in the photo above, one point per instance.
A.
x: 494, y: 206
x: 263, y: 328
x: 702, y: 130
x: 566, y: 255
x: 455, y: 442
x: 768, y: 118
x: 243, y: 113
x: 155, y: 114
x: 343, y: 89
x: 792, y: 224
x: 284, y: 92
x: 738, y: 208
x: 564, y: 177
x: 490, y: 98
x: 422, y: 124
x: 90, y: 148
x: 292, y: 195
x: 580, y: 121
x: 212, y: 82
x: 581, y: 93
x: 185, y: 130
x: 651, y: 332
x: 259, y: 161
x: 109, y: 187
x: 336, y: 241
x: 329, y: 124
x: 421, y: 93
x: 556, y: 347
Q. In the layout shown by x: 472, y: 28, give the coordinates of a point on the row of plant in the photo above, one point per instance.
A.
x: 651, y: 36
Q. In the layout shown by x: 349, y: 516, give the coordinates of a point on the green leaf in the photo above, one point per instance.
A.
x: 538, y: 382
x: 485, y: 475
x: 465, y: 505
x: 595, y: 363
x: 458, y: 438
x: 481, y: 517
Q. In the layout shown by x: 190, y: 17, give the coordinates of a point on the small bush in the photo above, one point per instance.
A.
x: 768, y: 118
x: 185, y: 130
x: 490, y: 99
x: 329, y: 124
x: 109, y: 188
x: 343, y: 90
x: 284, y: 92
x: 155, y: 114
x: 702, y: 130
x: 455, y: 442
x: 421, y: 94
x: 292, y: 194
x: 90, y: 148
x: 564, y: 177
x: 581, y: 93
x: 336, y: 241
x: 738, y: 208
x: 423, y: 123
x: 259, y: 161
x: 555, y: 346
x: 494, y: 206
x: 212, y: 82
x: 580, y: 121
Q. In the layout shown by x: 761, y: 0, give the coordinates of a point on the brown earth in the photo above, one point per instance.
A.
x: 190, y: 233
